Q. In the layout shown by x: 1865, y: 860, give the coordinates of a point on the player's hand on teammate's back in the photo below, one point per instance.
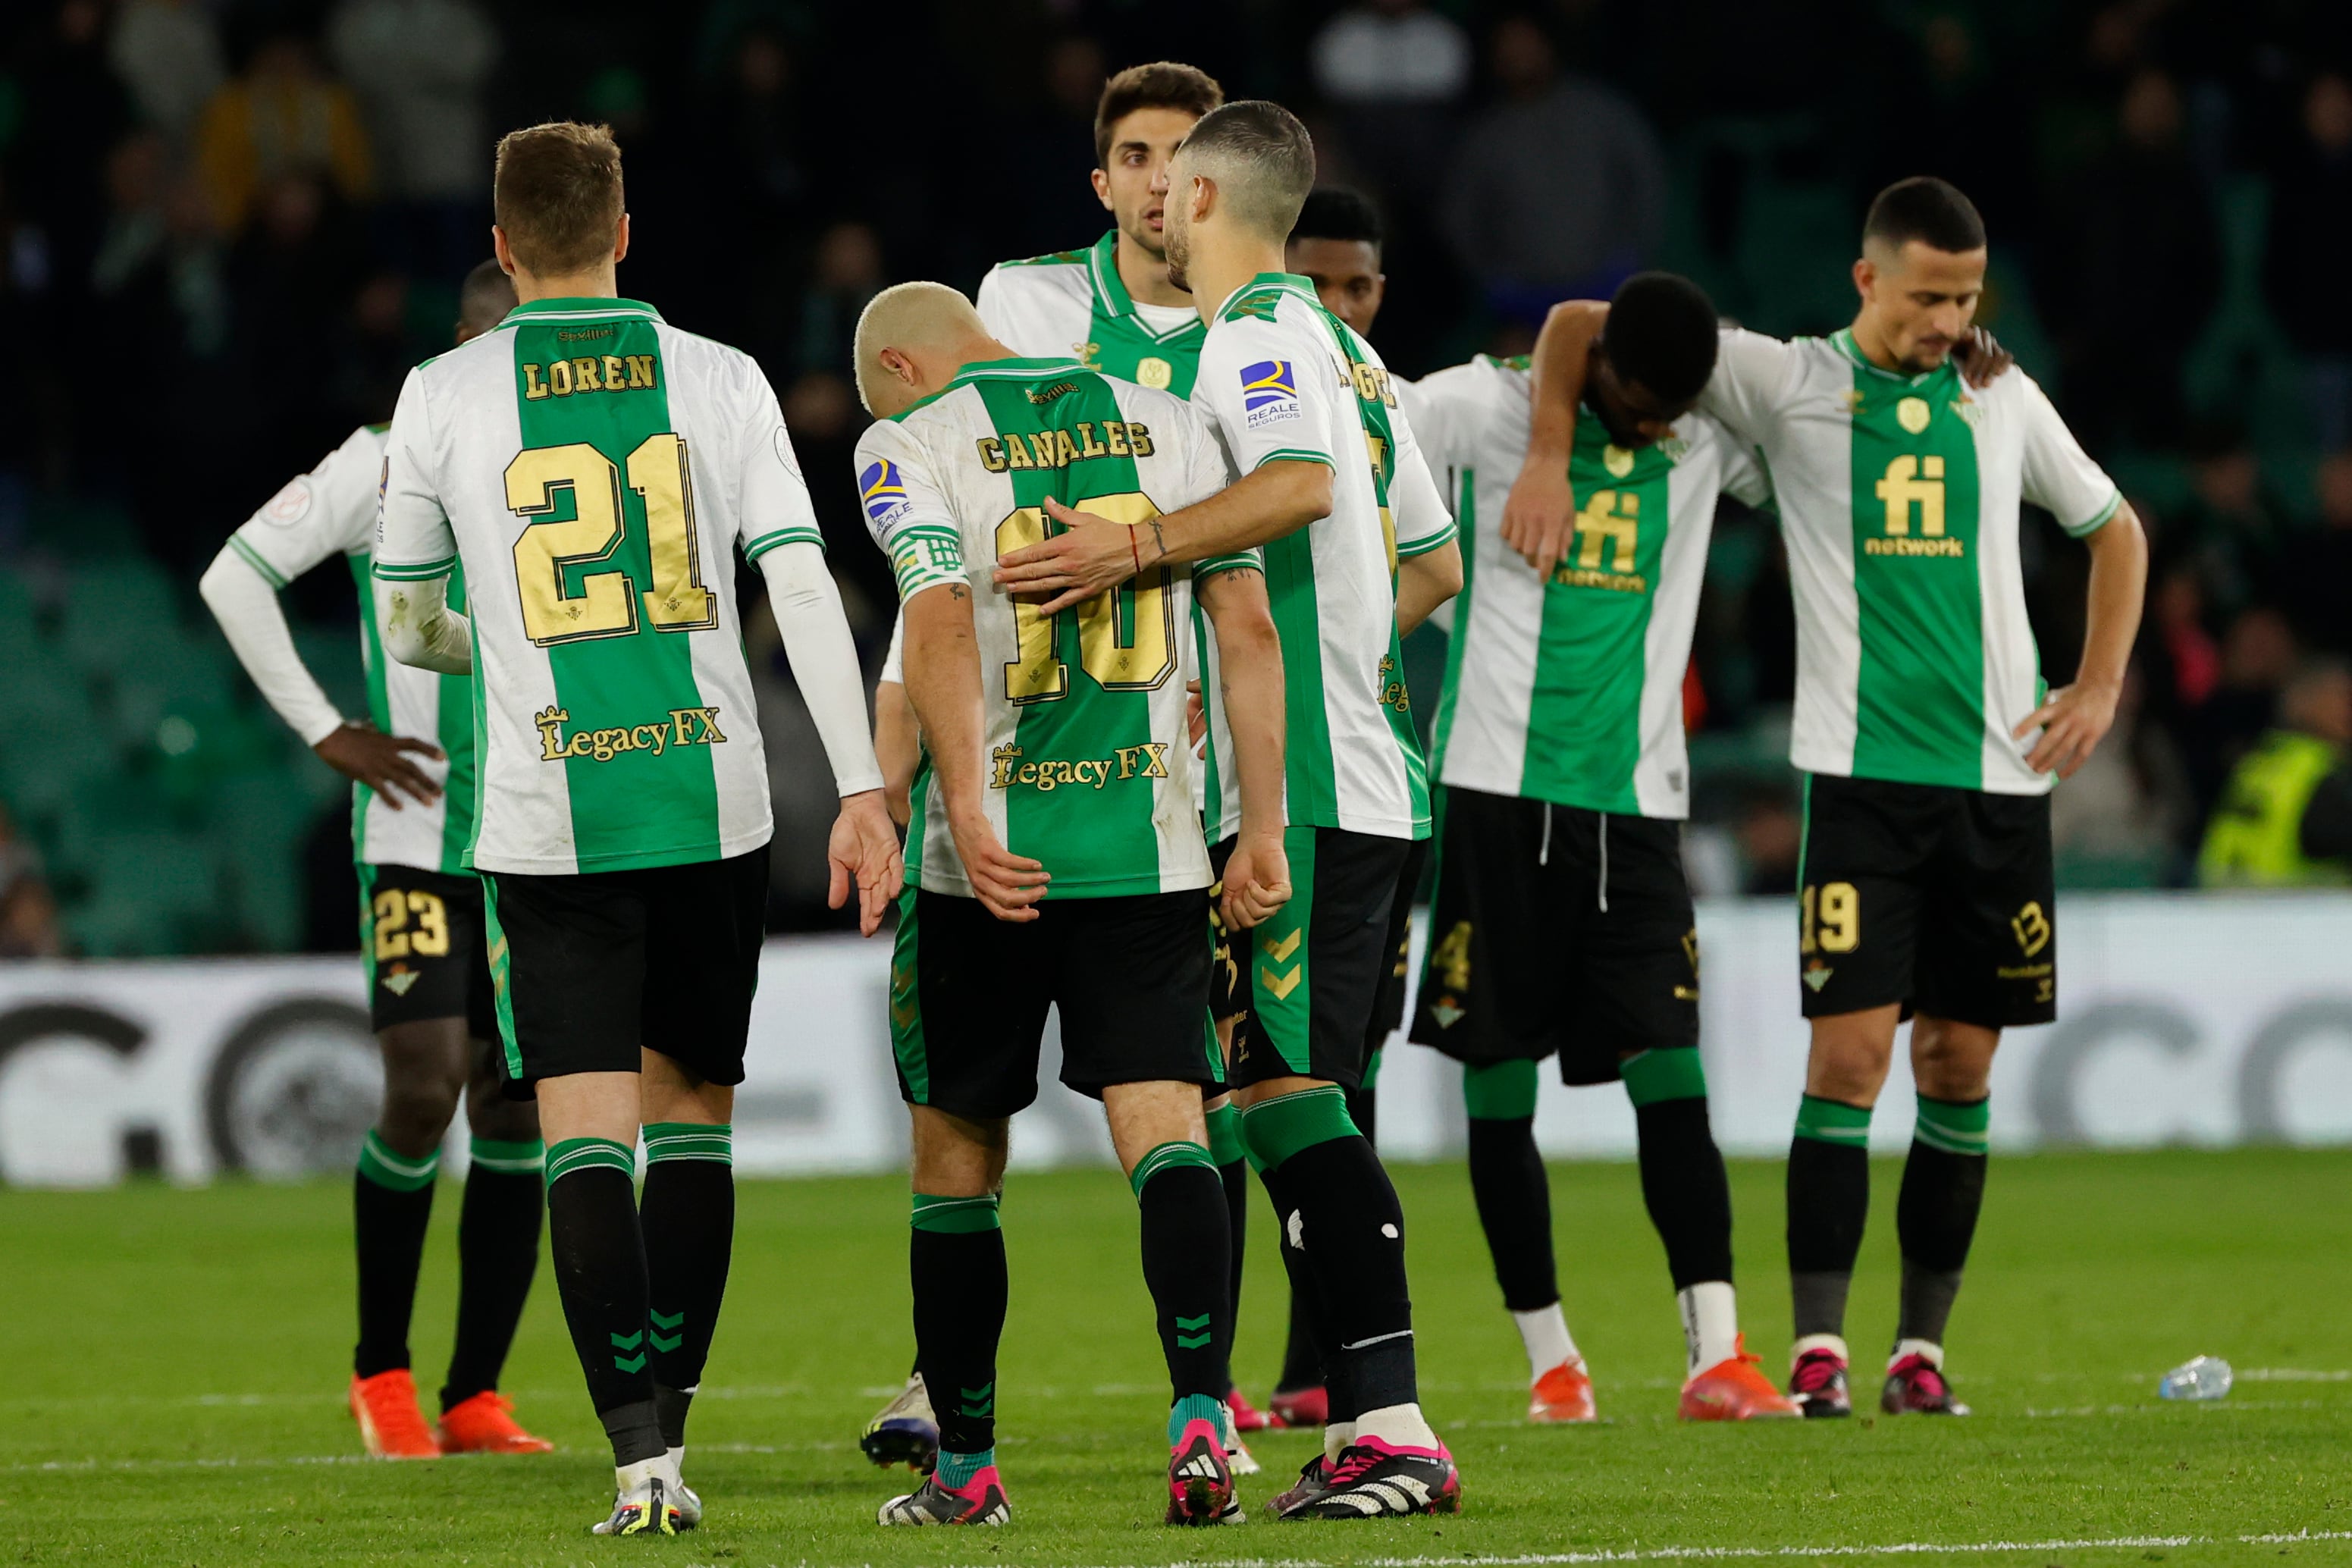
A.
x: 2073, y: 722
x: 1257, y: 881
x: 1008, y: 886
x: 1981, y: 358
x: 362, y: 751
x: 1095, y: 553
x: 865, y: 848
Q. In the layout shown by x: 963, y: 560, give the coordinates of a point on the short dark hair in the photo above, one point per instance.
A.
x: 1162, y: 84
x: 1268, y: 159
x: 1662, y: 334
x: 1927, y: 209
x: 486, y: 296
x: 556, y: 192
x: 1337, y: 212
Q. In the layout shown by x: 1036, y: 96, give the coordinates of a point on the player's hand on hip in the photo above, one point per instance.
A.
x: 1981, y: 358
x: 2072, y: 722
x: 1072, y: 567
x: 864, y: 848
x: 1009, y: 886
x: 1257, y: 881
x: 362, y: 751
x: 1539, y: 517
x: 1196, y: 717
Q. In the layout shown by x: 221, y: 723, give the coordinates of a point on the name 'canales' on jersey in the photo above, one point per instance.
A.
x: 1571, y: 691
x: 1899, y: 497
x: 1088, y: 769
x: 330, y: 511
x: 596, y: 468
x: 1285, y: 379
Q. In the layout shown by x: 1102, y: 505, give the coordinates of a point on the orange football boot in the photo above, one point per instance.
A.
x: 1734, y: 1389
x: 1563, y: 1394
x: 390, y: 1423
x: 485, y: 1423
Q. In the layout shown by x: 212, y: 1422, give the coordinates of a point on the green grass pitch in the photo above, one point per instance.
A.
x: 176, y: 1362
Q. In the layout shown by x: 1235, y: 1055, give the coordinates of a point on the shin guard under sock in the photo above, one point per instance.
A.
x: 498, y: 1253
x: 688, y: 1214
x: 600, y: 1272
x: 1508, y: 1181
x: 956, y: 1264
x: 1232, y: 1175
x: 1683, y: 1179
x: 1829, y: 1201
x: 1341, y: 1211
x: 1187, y: 1265
x: 1936, y: 1213
x: 391, y: 1204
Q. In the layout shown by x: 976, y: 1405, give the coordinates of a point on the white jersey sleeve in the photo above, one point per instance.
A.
x: 413, y: 541
x: 2060, y: 476
x: 330, y: 511
x: 1270, y: 402
x: 775, y: 508
x: 909, y: 513
x: 1753, y: 375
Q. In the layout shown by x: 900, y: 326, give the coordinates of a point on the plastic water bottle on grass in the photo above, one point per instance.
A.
x: 2207, y: 1377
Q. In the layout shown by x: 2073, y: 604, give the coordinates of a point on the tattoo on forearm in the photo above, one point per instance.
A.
x: 958, y: 591
x: 1159, y: 540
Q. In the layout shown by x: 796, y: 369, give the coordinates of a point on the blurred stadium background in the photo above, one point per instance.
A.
x: 228, y: 226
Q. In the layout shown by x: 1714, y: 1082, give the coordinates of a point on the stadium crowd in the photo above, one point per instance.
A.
x: 227, y: 228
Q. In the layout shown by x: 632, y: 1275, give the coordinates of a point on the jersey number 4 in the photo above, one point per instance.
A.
x: 1127, y: 635
x: 606, y: 604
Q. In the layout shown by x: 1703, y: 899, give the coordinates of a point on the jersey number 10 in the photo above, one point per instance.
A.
x: 606, y: 605
x: 1127, y: 635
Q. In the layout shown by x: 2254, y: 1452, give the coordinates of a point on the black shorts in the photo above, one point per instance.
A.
x: 421, y: 939
x: 592, y: 968
x: 1556, y: 929
x: 1388, y: 1007
x: 1314, y: 968
x: 1942, y: 899
x: 969, y: 995
x: 1228, y: 996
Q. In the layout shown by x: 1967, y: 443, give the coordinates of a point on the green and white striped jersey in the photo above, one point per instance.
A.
x: 1571, y: 691
x: 594, y: 469
x: 1086, y: 767
x: 330, y: 511
x: 1073, y: 303
x: 1899, y: 498
x: 1283, y: 378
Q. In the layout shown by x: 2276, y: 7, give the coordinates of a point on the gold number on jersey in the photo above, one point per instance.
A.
x: 1610, y: 517
x: 678, y: 602
x: 1127, y: 637
x: 607, y: 603
x: 1913, y: 481
x: 1378, y: 447
x: 1833, y: 918
x: 394, y: 940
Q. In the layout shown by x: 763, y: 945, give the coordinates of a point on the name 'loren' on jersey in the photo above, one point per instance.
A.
x: 596, y: 468
x: 1088, y: 769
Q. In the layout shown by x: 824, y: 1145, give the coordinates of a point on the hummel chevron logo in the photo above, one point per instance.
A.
x: 1192, y: 1333
x: 629, y: 1343
x: 667, y: 1343
x: 1281, y: 986
x: 1281, y: 951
